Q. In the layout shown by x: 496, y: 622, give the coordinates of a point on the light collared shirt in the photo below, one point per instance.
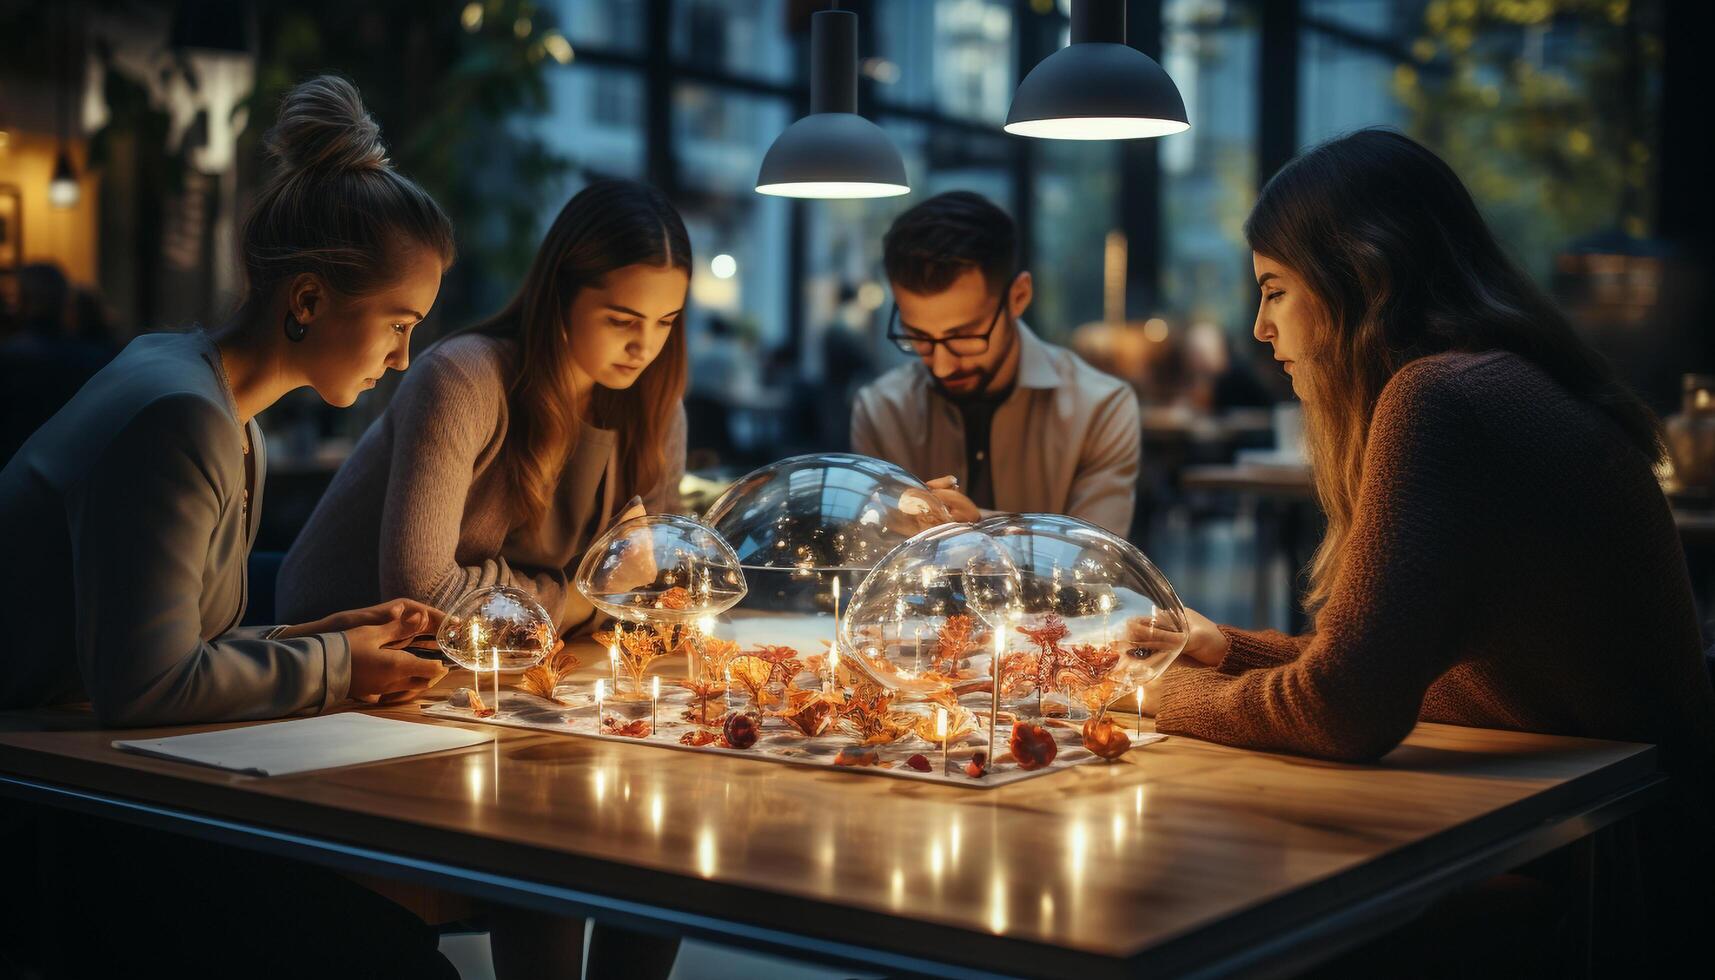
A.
x: 1066, y: 441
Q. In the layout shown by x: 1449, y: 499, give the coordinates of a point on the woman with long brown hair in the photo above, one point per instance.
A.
x: 1499, y: 553
x: 512, y: 444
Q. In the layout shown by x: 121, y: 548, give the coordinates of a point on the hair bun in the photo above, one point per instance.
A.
x: 323, y: 126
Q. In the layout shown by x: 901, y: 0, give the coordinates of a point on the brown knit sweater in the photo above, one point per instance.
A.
x: 1512, y: 564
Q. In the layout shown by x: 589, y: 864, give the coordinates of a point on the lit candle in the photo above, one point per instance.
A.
x: 1140, y: 708
x: 994, y: 699
x: 599, y: 692
x: 654, y: 698
x: 941, y: 732
x: 613, y: 658
x: 476, y: 657
x: 494, y: 655
x: 699, y: 651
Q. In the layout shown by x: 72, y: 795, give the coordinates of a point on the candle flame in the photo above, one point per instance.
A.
x: 655, y: 687
x: 600, y: 689
x: 940, y: 722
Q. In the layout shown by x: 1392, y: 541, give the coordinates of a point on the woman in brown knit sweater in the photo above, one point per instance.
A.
x: 1498, y: 551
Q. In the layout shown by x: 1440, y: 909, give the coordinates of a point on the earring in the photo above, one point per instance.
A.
x: 295, y: 329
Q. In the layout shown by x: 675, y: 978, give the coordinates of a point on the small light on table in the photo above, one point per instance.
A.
x: 941, y: 733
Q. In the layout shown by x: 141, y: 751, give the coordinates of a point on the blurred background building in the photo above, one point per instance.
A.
x: 1577, y: 124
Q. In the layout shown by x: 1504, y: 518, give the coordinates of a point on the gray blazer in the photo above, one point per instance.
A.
x: 130, y: 534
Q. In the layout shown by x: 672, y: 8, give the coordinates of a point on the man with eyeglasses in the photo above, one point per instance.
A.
x: 994, y: 418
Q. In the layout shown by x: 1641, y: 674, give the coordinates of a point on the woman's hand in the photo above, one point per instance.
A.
x: 636, y: 566
x: 1204, y: 641
x: 376, y: 615
x: 946, y: 489
x: 381, y: 670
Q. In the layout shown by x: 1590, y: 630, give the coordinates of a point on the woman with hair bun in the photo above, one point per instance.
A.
x: 133, y: 509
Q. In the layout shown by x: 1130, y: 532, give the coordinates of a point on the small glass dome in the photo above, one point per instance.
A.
x: 1097, y: 619
x: 661, y: 567
x: 498, y: 627
x: 924, y: 621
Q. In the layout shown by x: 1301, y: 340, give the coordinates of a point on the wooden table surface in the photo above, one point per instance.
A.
x: 1184, y: 856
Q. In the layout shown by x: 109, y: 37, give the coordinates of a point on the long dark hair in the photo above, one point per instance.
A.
x: 606, y: 226
x: 1401, y: 265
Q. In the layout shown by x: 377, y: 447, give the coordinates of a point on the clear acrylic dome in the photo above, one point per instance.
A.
x: 924, y: 621
x: 1097, y: 619
x: 806, y: 530
x: 661, y: 567
x: 498, y: 627
x: 824, y: 511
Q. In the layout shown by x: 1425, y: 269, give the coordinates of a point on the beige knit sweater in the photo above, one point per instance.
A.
x: 420, y: 509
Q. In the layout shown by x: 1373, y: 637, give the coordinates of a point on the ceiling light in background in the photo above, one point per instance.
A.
x: 1097, y: 87
x: 833, y: 152
x: 64, y: 192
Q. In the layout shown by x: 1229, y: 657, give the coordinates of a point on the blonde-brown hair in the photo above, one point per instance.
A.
x: 333, y: 206
x: 606, y: 226
x: 1399, y: 265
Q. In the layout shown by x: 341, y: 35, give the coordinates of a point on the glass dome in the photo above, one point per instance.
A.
x: 806, y: 530
x: 661, y: 567
x: 824, y: 511
x: 924, y: 621
x: 1097, y: 619
x: 498, y: 627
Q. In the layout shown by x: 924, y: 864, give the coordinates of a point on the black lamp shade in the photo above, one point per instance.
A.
x: 833, y: 151
x: 63, y: 189
x: 1097, y: 87
x: 832, y: 154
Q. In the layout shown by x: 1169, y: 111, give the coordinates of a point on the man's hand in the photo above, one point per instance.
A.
x: 946, y: 489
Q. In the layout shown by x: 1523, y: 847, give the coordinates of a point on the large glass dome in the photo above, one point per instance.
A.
x: 824, y: 511
x: 661, y: 567
x: 924, y: 621
x: 806, y: 530
x: 1097, y: 619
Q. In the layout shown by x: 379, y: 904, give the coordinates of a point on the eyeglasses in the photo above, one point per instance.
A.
x: 963, y: 345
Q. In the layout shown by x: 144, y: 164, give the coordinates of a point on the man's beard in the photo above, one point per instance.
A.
x: 985, y: 377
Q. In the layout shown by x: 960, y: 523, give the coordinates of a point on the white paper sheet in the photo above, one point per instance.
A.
x: 306, y: 744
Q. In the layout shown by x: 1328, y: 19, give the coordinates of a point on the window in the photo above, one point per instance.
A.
x: 616, y: 25
x: 720, y: 136
x: 1208, y: 175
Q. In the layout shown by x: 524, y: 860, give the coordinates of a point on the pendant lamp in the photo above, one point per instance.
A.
x: 1097, y: 87
x: 833, y: 152
x: 64, y: 192
x: 63, y: 189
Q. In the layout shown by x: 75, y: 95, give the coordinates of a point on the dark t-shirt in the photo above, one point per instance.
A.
x: 978, y: 414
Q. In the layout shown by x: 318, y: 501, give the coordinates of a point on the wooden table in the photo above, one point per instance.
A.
x: 1183, y: 858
